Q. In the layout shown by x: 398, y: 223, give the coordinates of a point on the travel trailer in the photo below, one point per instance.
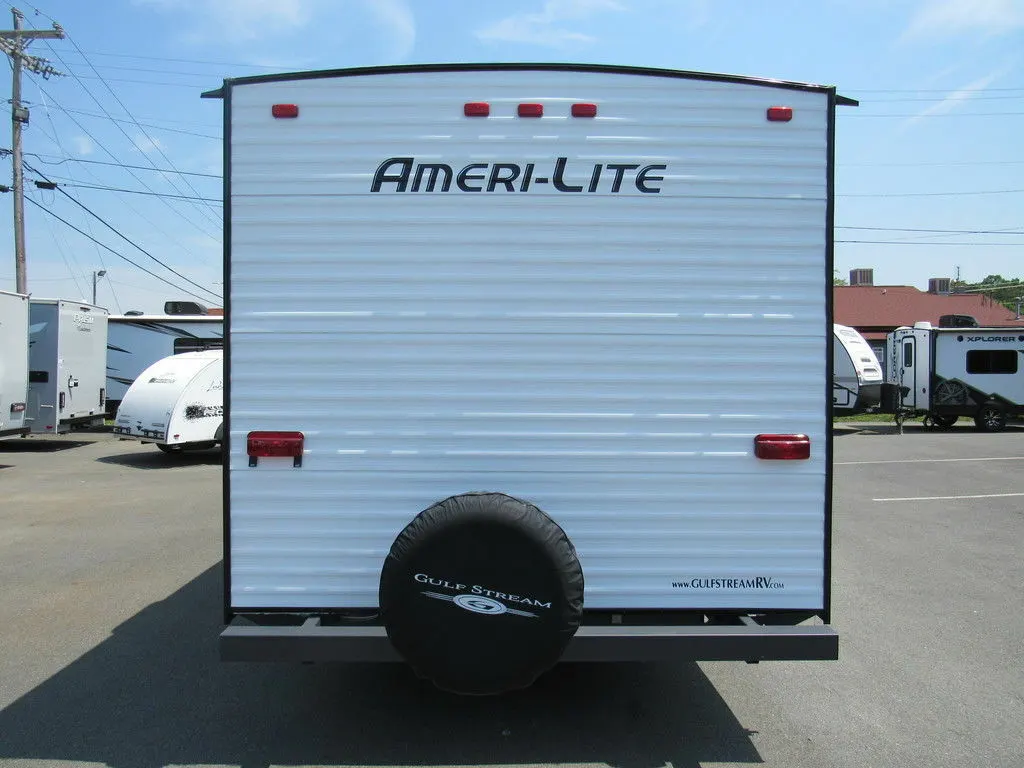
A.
x: 67, y: 366
x: 13, y: 363
x: 135, y: 342
x: 946, y: 373
x: 177, y: 403
x: 856, y: 373
x: 527, y: 363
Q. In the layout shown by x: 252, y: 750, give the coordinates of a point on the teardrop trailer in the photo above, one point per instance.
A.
x: 177, y: 403
x: 527, y: 363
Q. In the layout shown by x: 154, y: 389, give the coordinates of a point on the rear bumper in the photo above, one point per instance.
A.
x: 749, y: 642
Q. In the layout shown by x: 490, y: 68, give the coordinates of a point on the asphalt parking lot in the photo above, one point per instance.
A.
x: 111, y: 605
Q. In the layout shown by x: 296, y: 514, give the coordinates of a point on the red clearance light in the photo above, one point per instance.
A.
x: 531, y: 110
x: 261, y: 445
x: 780, y: 114
x: 285, y: 110
x: 782, y: 447
x: 584, y: 110
x: 476, y: 109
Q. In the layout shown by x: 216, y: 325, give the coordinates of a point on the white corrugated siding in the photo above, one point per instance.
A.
x: 607, y: 357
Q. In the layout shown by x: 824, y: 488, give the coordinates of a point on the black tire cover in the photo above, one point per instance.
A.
x: 481, y: 593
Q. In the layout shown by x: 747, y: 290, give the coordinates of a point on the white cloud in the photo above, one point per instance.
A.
x: 239, y: 21
x: 946, y: 18
x: 547, y: 27
x: 146, y: 145
x: 957, y: 98
x: 83, y: 145
x: 399, y: 23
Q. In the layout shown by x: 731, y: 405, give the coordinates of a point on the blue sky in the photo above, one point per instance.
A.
x: 935, y: 145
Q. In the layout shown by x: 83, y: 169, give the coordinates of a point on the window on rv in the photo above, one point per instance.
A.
x: 188, y: 344
x: 992, y: 361
x: 908, y: 355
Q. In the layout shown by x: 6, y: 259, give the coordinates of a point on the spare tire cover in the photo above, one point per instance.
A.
x: 481, y: 593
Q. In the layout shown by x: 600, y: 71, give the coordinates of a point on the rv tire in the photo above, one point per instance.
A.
x: 171, y: 449
x: 991, y: 417
x: 481, y: 593
x: 943, y: 421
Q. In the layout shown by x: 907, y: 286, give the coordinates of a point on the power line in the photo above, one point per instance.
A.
x: 180, y: 61
x: 140, y: 125
x: 120, y: 256
x: 918, y: 165
x: 114, y: 165
x: 943, y: 114
x: 117, y: 232
x: 76, y: 184
x: 943, y: 242
x: 126, y: 202
x: 114, y: 157
x: 149, y: 138
x: 931, y: 194
x: 961, y: 99
x: 1012, y: 231
x: 922, y: 90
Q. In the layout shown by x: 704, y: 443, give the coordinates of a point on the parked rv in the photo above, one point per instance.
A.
x: 13, y: 363
x: 856, y: 373
x: 535, y: 370
x: 67, y: 362
x: 135, y: 342
x: 946, y: 373
x: 177, y: 403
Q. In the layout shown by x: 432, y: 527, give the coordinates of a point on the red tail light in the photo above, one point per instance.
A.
x: 584, y: 110
x: 780, y: 114
x: 265, y: 445
x: 285, y: 110
x: 782, y: 447
x: 476, y: 109
x: 531, y: 110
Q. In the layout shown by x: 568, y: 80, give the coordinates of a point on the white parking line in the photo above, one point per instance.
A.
x: 945, y: 498
x: 929, y: 461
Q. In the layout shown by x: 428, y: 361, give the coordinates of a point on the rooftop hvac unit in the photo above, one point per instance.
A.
x: 939, y: 285
x: 862, y: 277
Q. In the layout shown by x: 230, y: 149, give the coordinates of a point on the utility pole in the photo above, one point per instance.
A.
x: 13, y: 43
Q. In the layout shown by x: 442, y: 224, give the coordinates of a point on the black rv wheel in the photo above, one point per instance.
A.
x: 481, y: 593
x: 944, y: 421
x: 991, y: 418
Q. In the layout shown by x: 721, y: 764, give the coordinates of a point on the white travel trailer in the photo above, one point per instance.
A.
x: 177, y: 403
x: 946, y: 373
x: 13, y: 363
x: 67, y: 365
x: 856, y: 373
x: 135, y: 342
x: 527, y: 363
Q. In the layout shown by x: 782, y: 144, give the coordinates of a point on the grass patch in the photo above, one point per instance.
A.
x: 877, y: 418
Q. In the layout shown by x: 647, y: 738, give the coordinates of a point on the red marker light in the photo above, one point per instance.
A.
x: 780, y: 114
x: 476, y: 109
x: 531, y: 110
x: 285, y: 110
x: 584, y: 110
x: 261, y: 445
x: 782, y: 447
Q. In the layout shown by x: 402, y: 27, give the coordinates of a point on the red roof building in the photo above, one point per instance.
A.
x: 874, y: 310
